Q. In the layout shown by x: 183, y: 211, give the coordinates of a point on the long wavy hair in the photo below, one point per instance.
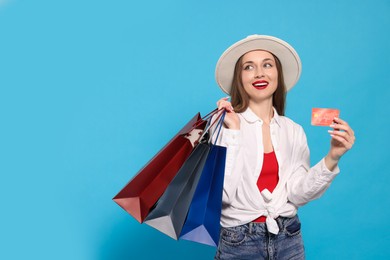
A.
x: 240, y: 99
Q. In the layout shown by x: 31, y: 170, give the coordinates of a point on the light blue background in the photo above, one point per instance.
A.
x: 91, y: 90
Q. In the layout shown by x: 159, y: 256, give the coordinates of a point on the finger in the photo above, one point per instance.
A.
x: 343, y: 125
x: 223, y: 99
x: 344, y: 135
x: 344, y: 138
x: 225, y: 104
x: 220, y: 103
x: 344, y: 142
x: 346, y: 128
x: 340, y: 121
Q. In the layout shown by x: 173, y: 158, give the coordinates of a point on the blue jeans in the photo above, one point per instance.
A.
x: 253, y: 241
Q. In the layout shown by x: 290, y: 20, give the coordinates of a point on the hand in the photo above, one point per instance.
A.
x: 231, y: 121
x: 343, y: 138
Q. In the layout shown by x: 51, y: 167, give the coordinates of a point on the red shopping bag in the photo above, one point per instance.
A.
x: 142, y: 192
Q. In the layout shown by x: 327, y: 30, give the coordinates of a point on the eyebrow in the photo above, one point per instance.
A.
x: 266, y: 59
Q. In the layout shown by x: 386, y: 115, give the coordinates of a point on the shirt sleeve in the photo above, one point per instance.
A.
x: 232, y: 140
x: 305, y: 183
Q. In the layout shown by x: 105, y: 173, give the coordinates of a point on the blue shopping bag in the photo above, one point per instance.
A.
x: 202, y: 224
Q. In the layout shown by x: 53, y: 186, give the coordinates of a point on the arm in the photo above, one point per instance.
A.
x: 230, y: 137
x: 307, y: 183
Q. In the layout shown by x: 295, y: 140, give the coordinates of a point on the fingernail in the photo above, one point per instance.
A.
x: 330, y: 131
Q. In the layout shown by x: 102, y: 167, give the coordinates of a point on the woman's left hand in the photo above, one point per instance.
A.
x: 343, y: 138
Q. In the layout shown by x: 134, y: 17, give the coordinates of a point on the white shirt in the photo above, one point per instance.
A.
x: 298, y: 184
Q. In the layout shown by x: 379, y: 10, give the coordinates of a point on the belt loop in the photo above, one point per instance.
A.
x: 279, y: 220
x: 250, y: 227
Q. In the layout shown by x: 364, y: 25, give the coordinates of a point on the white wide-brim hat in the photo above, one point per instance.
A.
x: 291, y: 63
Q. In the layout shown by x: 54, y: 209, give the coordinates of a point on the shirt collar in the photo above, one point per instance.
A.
x: 251, y: 117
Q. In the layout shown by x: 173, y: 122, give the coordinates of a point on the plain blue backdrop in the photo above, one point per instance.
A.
x: 91, y: 90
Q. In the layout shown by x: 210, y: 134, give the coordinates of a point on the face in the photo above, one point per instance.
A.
x: 259, y: 75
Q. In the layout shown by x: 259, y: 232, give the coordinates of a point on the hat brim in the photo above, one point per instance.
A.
x: 291, y: 63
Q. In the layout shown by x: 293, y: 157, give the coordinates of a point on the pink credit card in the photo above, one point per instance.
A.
x: 323, y: 116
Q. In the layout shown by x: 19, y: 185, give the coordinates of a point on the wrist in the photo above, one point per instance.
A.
x: 232, y: 124
x: 331, y: 162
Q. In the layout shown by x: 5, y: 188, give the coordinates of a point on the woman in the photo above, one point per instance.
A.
x: 267, y: 171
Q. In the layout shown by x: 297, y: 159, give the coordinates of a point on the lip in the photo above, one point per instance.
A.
x: 260, y: 84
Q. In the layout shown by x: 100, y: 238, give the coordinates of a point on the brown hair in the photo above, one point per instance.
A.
x: 240, y: 99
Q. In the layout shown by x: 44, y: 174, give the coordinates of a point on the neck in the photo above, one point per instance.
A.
x: 264, y: 110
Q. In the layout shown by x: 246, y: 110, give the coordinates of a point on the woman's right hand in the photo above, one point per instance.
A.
x: 231, y: 121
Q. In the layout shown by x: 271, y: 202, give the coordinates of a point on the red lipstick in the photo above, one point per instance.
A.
x: 260, y: 84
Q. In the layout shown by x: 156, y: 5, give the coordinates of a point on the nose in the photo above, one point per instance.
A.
x: 259, y: 73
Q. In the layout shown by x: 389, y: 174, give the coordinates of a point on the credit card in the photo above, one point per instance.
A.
x: 323, y: 116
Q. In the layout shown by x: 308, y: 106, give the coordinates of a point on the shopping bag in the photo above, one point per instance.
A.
x: 203, y: 220
x: 170, y: 211
x: 202, y: 224
x: 141, y: 193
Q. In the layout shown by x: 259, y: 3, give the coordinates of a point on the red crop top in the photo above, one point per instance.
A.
x: 269, y: 176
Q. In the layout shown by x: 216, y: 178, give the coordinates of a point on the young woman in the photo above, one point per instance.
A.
x: 267, y: 173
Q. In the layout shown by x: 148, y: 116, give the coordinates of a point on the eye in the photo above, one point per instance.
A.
x: 248, y: 67
x: 268, y: 65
